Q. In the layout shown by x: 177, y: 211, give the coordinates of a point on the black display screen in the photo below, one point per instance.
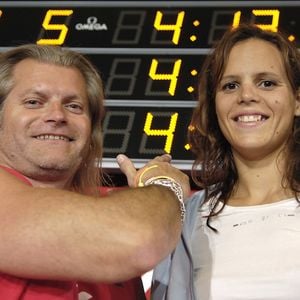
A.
x: 148, y: 53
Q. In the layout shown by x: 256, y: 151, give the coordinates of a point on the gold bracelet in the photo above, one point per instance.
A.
x: 138, y: 180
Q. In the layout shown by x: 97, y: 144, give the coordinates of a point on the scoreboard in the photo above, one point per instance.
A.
x: 148, y: 54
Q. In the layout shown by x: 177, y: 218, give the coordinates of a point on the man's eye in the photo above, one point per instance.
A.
x: 74, y: 107
x: 32, y: 103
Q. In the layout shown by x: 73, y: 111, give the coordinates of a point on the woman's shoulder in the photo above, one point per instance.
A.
x: 193, y: 203
x: 195, y: 199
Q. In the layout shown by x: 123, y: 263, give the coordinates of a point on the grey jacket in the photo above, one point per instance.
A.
x: 173, y: 277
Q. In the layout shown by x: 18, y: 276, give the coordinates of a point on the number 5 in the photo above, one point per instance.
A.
x: 60, y: 27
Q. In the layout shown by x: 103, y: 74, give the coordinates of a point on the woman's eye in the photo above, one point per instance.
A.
x: 229, y: 86
x: 267, y: 83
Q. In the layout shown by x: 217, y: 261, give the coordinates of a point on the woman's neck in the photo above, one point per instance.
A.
x: 260, y: 182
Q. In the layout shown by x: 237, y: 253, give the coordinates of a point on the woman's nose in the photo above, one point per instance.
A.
x: 248, y: 94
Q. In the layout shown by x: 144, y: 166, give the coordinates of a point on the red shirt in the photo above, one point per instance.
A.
x: 14, y: 288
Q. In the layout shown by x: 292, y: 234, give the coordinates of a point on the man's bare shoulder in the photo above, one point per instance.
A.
x: 11, y: 175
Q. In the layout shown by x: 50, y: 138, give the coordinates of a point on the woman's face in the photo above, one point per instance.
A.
x: 255, y: 103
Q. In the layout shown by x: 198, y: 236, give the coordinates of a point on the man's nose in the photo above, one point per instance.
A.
x: 55, y: 112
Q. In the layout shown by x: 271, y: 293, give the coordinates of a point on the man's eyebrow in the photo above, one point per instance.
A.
x: 74, y: 96
x: 34, y: 91
x: 44, y: 93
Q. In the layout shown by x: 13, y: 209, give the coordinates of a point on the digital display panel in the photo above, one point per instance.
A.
x: 181, y: 24
x: 149, y: 77
x: 163, y: 127
x: 148, y: 53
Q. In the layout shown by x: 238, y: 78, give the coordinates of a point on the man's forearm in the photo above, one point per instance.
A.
x: 56, y: 234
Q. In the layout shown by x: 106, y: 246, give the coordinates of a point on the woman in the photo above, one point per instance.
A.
x: 241, y: 237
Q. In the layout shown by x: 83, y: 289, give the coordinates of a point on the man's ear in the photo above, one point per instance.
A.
x: 297, y: 104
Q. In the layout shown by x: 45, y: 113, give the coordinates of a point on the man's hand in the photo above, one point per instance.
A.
x: 162, y: 168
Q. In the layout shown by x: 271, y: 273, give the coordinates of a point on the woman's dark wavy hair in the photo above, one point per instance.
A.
x: 214, y: 169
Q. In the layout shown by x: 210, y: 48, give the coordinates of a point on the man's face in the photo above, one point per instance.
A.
x: 45, y: 126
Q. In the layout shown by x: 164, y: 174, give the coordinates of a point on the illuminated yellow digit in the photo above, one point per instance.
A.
x: 170, y: 27
x: 172, y: 77
x: 268, y: 12
x: 236, y: 19
x: 60, y: 27
x: 169, y: 133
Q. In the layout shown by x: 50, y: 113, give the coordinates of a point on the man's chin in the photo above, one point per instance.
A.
x: 53, y: 172
x: 54, y: 167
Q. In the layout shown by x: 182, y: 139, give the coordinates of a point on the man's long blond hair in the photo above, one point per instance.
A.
x: 88, y: 177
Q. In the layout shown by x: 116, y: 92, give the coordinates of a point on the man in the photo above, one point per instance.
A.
x: 56, y: 230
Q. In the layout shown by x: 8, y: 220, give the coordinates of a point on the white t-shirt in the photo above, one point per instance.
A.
x: 254, y: 255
